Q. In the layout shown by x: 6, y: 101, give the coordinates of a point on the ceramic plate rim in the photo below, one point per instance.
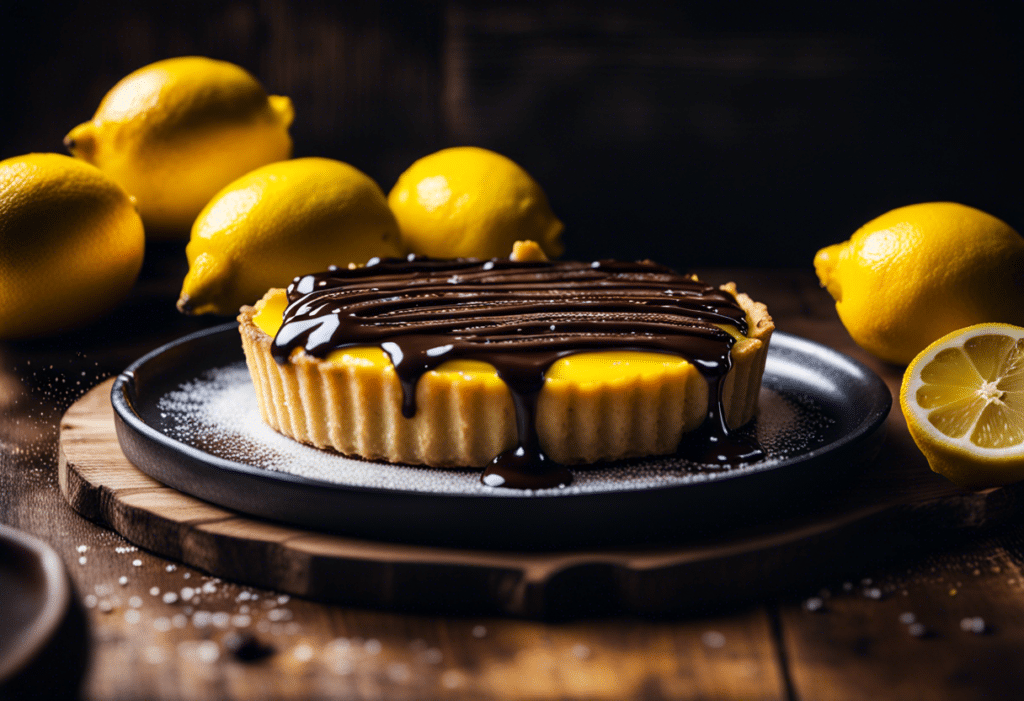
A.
x: 122, y: 404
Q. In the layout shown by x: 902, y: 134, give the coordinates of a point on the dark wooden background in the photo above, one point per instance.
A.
x: 692, y: 133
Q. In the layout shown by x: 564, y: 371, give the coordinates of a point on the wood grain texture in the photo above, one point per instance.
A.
x: 146, y: 646
x: 99, y: 482
x: 959, y: 615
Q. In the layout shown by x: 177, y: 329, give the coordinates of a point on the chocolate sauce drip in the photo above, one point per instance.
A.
x: 520, y: 317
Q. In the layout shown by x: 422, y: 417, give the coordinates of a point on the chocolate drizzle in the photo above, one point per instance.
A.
x: 520, y: 317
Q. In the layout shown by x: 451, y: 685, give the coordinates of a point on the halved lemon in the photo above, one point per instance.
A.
x: 963, y: 398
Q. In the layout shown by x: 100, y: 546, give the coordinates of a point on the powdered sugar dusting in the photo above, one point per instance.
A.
x: 218, y: 413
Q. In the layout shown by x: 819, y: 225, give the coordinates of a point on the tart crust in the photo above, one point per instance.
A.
x: 351, y: 401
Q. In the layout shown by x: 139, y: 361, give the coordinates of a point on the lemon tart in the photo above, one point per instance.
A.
x: 522, y: 367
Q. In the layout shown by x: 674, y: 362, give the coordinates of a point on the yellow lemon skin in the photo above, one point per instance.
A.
x: 963, y: 398
x: 469, y: 202
x: 279, y: 221
x: 175, y: 132
x: 71, y: 244
x: 919, y: 272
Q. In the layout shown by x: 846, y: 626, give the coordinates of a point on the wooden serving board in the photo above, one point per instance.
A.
x: 890, y: 508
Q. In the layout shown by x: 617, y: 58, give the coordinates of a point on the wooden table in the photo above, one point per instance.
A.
x: 943, y: 619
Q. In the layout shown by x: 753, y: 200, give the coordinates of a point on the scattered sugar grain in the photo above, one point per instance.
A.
x: 137, y: 563
x: 398, y: 672
x: 218, y: 413
x: 187, y: 593
x: 170, y: 597
x: 162, y: 624
x: 339, y: 646
x: 479, y: 631
x: 206, y: 652
x: 132, y: 616
x: 974, y: 624
x: 106, y: 606
x: 713, y: 639
x: 372, y: 646
x: 154, y: 591
x: 179, y: 620
x: 303, y: 652
x: 221, y: 619
x: 135, y: 602
x: 90, y: 601
x: 907, y: 618
x: 814, y: 604
x: 82, y: 560
x: 122, y: 580
x: 82, y: 548
x: 918, y: 630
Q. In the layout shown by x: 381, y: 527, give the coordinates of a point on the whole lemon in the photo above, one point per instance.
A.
x: 71, y: 244
x: 468, y: 202
x: 916, y: 273
x: 279, y: 221
x: 175, y: 132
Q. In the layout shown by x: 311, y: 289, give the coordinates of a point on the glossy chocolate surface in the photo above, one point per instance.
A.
x: 520, y: 317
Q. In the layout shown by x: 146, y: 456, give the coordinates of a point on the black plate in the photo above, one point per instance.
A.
x: 37, y: 630
x: 186, y: 415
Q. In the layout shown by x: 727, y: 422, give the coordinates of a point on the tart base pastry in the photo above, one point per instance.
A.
x: 594, y: 405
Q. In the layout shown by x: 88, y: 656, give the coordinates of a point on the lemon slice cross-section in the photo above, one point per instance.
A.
x: 963, y: 398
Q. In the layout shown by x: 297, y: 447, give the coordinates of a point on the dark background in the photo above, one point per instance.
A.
x: 692, y: 133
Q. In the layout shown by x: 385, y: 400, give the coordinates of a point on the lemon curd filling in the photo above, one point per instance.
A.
x: 580, y: 369
x: 597, y: 399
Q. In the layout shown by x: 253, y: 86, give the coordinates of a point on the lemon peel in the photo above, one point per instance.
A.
x: 279, y: 221
x: 919, y: 272
x: 470, y: 202
x: 963, y: 398
x: 71, y: 244
x: 175, y: 132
